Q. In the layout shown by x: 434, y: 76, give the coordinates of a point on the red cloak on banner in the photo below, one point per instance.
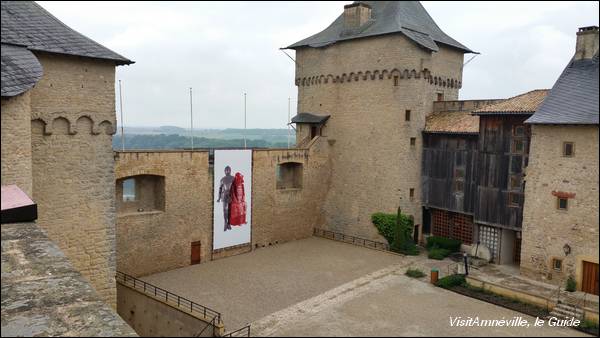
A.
x: 237, y: 202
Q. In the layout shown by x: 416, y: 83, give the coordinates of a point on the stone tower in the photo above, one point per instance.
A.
x: 376, y: 71
x: 58, y: 118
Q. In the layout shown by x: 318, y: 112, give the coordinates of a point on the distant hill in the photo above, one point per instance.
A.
x: 171, y: 137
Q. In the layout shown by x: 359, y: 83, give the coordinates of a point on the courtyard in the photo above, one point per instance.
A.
x: 318, y: 287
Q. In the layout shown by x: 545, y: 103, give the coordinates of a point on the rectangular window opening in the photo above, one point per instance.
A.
x: 407, y: 115
x: 562, y: 203
x: 557, y: 264
x: 413, y: 141
x: 568, y: 149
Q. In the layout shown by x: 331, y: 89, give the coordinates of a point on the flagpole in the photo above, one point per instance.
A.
x: 244, y: 120
x: 191, y: 120
x: 122, y: 129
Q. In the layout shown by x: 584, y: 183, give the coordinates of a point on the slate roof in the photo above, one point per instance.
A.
x: 406, y: 17
x: 26, y: 23
x: 21, y: 70
x: 454, y: 122
x: 574, y: 97
x: 310, y: 118
x: 526, y: 103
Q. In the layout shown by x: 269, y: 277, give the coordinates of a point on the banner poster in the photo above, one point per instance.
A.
x: 232, y: 216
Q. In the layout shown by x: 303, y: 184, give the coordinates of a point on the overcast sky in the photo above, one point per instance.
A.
x: 224, y: 49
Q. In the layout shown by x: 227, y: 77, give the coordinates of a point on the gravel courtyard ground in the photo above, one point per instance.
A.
x: 318, y: 287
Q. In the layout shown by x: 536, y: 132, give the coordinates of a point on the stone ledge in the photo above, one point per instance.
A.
x: 44, y: 295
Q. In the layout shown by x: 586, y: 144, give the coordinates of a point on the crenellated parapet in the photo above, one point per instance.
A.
x: 61, y: 123
x: 383, y: 74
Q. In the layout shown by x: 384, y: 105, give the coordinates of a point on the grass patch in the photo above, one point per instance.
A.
x: 415, y: 273
x: 494, y: 298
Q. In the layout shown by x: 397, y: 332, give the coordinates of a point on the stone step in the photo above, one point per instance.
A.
x: 556, y: 312
x: 569, y: 308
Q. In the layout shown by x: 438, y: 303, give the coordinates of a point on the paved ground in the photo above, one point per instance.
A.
x: 387, y: 303
x: 247, y: 287
x: 317, y: 287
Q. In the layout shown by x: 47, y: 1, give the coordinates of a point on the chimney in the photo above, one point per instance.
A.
x: 356, y: 15
x: 587, y: 43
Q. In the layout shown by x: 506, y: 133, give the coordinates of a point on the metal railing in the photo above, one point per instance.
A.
x: 338, y: 236
x: 169, y: 297
x: 243, y: 332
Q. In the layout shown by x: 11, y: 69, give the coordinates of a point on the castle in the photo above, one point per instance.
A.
x: 379, y: 127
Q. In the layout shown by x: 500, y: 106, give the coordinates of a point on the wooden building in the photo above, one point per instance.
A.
x: 474, y: 157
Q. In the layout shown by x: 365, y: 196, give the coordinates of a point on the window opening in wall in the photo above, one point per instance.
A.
x: 314, y: 131
x: 129, y: 190
x: 407, y: 115
x: 140, y: 193
x: 440, y: 96
x: 396, y: 81
x: 557, y: 264
x: 289, y: 175
x: 518, y: 130
x: 515, y: 182
x: 562, y: 203
x: 568, y: 149
x: 411, y: 194
x: 413, y: 141
x: 518, y: 146
x: 513, y: 199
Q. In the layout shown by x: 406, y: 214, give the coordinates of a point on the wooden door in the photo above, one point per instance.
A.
x: 589, y: 282
x: 195, y: 257
x: 517, y: 250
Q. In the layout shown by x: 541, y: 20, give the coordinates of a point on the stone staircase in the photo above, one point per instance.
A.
x: 566, y: 311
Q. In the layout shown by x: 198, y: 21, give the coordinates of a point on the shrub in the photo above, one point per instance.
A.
x: 397, y: 230
x: 385, y: 224
x: 444, y: 243
x: 438, y: 253
x: 450, y: 281
x: 415, y: 273
x: 571, y: 284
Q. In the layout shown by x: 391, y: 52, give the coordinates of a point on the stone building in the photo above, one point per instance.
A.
x: 58, y: 118
x: 560, y: 221
x: 370, y: 79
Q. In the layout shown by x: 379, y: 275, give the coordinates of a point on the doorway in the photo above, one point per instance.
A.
x: 195, y: 256
x: 589, y: 281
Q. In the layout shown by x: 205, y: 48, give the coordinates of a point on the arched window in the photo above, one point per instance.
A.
x: 140, y: 193
x: 289, y: 175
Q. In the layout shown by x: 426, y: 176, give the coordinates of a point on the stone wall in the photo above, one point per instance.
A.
x: 73, y: 119
x: 163, y: 238
x: 366, y: 85
x: 152, y: 316
x: 43, y: 295
x: 545, y: 228
x: 16, y: 141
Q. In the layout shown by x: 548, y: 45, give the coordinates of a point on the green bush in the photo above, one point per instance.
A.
x: 385, y: 224
x: 444, y: 243
x: 415, y: 273
x: 438, y: 253
x: 571, y: 284
x: 450, y: 281
x: 397, y: 230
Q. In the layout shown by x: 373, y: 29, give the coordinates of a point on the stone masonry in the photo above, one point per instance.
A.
x: 366, y: 85
x: 73, y: 119
x: 545, y: 228
x: 16, y: 142
x: 163, y: 237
